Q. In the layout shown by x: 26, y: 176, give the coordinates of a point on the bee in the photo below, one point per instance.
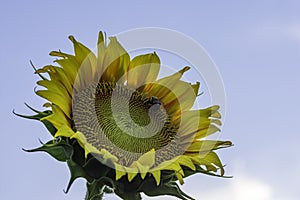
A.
x: 154, y: 100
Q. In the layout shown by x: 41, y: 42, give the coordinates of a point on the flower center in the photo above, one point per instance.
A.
x: 124, y: 122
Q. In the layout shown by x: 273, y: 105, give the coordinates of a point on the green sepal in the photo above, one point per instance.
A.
x: 78, y: 156
x: 168, y: 176
x: 125, y: 190
x: 76, y: 171
x: 58, y: 149
x: 166, y: 188
x: 89, y: 168
x: 38, y: 117
x: 188, y: 172
x: 49, y: 127
x: 75, y: 164
x: 98, y: 187
x: 127, y: 186
x: 95, y: 169
x: 36, y: 71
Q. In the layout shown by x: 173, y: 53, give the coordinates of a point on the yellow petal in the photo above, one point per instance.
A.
x: 186, y: 161
x: 212, y: 157
x: 176, y: 76
x: 204, y: 146
x: 131, y: 173
x: 62, y: 76
x: 115, y: 62
x: 199, y: 134
x: 143, y: 170
x: 210, y: 111
x: 64, y: 131
x: 62, y: 101
x: 58, y: 77
x: 80, y: 138
x: 207, y: 145
x: 143, y: 69
x: 107, y: 155
x: 144, y: 163
x: 55, y: 86
x: 81, y: 51
x: 88, y: 148
x: 180, y: 178
x: 87, y: 61
x: 197, y: 124
x: 120, y: 171
x: 172, y: 165
x: 60, y: 54
x: 70, y: 67
x: 196, y: 87
x: 176, y: 95
x: 210, y: 160
x: 101, y: 46
x: 156, y: 174
x: 165, y: 83
x: 57, y: 118
x: 131, y: 176
x: 147, y: 159
x: 202, y: 161
x: 47, y: 105
x: 189, y: 122
x: 184, y: 97
x: 176, y: 168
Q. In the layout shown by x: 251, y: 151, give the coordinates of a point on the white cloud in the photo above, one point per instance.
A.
x: 293, y: 31
x: 247, y: 188
x: 278, y: 30
x: 240, y: 188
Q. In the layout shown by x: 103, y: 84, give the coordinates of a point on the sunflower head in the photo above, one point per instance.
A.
x: 120, y: 127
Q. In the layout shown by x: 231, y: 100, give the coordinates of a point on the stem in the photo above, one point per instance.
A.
x: 130, y: 196
x: 96, y: 197
x: 94, y: 191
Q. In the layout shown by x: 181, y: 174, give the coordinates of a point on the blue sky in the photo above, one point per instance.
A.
x: 256, y: 46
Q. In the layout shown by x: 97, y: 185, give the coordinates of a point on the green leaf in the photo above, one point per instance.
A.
x: 57, y: 148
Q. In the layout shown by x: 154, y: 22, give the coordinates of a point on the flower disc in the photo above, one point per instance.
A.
x: 124, y: 122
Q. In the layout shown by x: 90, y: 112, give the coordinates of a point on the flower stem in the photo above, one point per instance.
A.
x: 94, y: 191
x: 96, y: 197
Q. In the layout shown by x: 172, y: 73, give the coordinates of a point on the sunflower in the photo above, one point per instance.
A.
x: 120, y: 127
